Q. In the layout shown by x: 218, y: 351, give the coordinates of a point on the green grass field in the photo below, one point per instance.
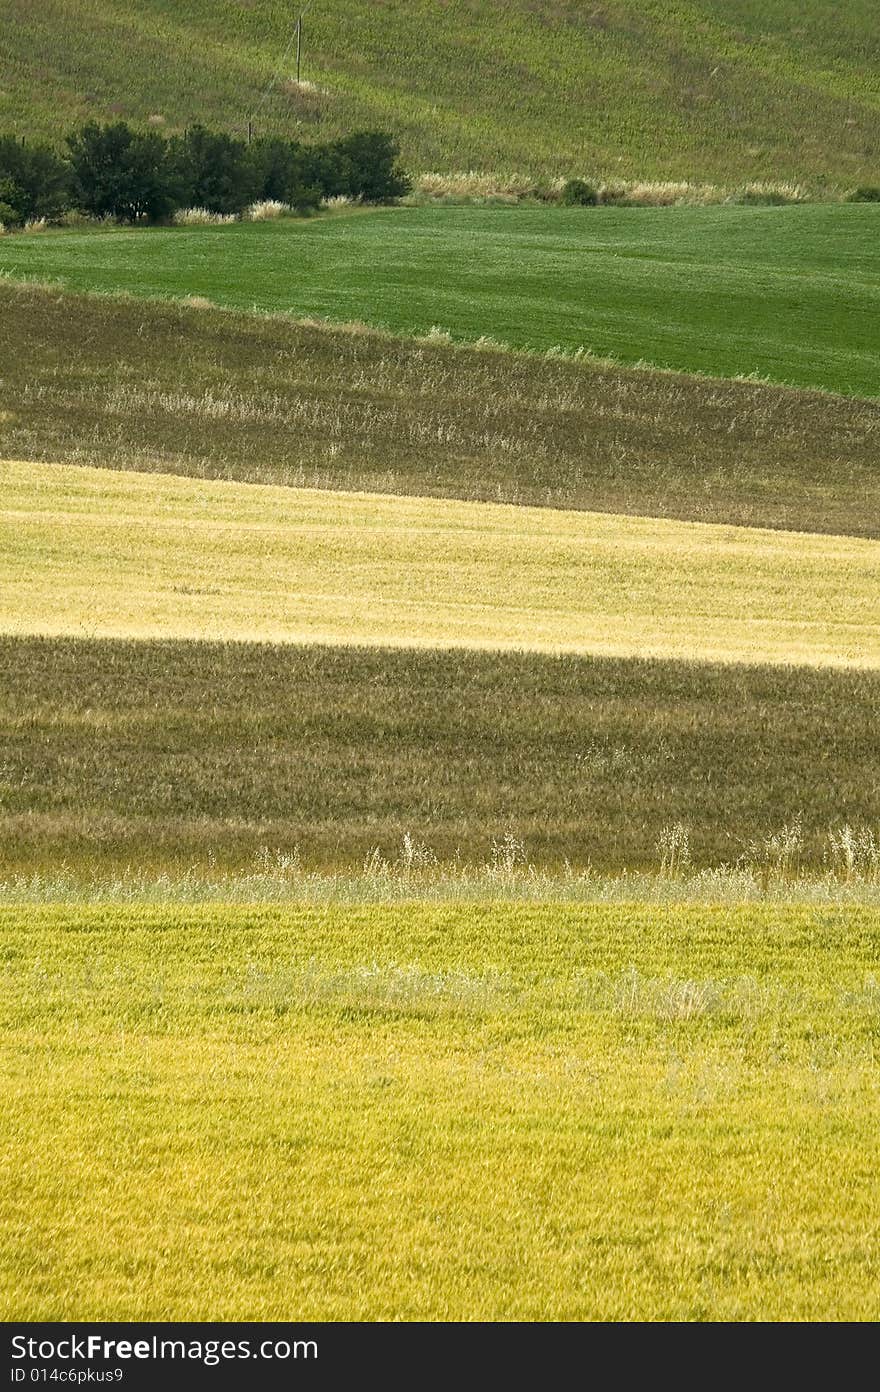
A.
x: 425, y: 1113
x: 792, y: 294
x: 724, y: 89
x: 101, y: 553
x: 216, y: 394
x: 163, y: 756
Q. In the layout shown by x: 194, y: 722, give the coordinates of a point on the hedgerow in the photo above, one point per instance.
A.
x: 114, y: 171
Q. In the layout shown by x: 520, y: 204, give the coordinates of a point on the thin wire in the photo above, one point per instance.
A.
x: 281, y: 66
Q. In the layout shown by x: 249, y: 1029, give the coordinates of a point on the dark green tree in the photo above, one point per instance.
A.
x: 122, y: 173
x: 283, y: 171
x: 326, y: 169
x: 214, y: 170
x: 373, y: 174
x: 34, y: 181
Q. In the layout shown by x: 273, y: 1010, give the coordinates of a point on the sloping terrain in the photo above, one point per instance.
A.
x: 725, y: 89
x: 348, y: 614
x: 790, y: 294
x: 170, y: 388
x: 121, y: 554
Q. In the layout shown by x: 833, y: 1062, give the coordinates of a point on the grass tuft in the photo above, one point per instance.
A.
x: 202, y: 217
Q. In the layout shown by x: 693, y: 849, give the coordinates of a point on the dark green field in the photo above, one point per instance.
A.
x: 791, y: 294
x: 721, y: 89
x: 163, y: 754
x: 223, y: 395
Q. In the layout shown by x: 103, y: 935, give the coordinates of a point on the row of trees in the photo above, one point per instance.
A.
x: 115, y: 171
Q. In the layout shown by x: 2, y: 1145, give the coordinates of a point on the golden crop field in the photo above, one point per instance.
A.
x: 98, y: 553
x: 440, y: 1112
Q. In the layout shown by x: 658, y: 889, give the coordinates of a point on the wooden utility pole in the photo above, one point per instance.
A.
x: 299, y: 39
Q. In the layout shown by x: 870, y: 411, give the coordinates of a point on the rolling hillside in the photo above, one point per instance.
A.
x: 718, y: 89
x: 171, y: 388
x: 440, y: 675
x: 123, y: 554
x: 789, y: 294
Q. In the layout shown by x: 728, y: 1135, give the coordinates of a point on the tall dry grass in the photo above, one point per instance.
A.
x: 202, y: 217
x: 220, y: 394
x: 267, y: 210
x: 767, y: 874
x: 480, y: 186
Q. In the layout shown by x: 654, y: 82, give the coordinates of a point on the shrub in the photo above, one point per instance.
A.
x: 214, y: 170
x: 122, y: 174
x: 866, y: 194
x: 34, y: 181
x: 370, y: 159
x: 577, y: 193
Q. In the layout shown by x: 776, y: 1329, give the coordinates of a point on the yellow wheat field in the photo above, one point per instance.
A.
x: 102, y: 553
